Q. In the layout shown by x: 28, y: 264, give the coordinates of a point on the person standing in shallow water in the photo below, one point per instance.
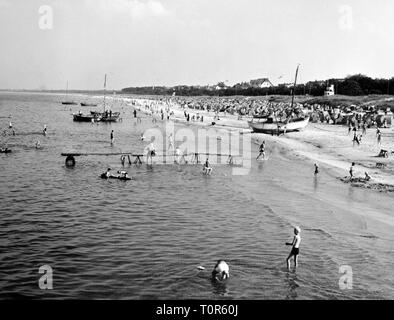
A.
x: 295, y: 247
x: 351, y: 170
x: 261, y: 151
x: 379, y: 136
x: 112, y: 137
x: 316, y: 169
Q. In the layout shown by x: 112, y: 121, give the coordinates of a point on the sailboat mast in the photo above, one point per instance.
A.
x: 295, y: 82
x: 105, y: 86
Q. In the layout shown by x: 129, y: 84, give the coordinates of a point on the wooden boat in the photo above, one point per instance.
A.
x: 106, y: 116
x: 68, y: 102
x: 79, y: 117
x: 268, y: 125
x: 5, y: 150
x: 88, y: 104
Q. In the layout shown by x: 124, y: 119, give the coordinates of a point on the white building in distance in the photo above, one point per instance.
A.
x: 329, y: 90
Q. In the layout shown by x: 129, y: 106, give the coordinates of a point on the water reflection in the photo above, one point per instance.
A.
x: 315, y: 183
x: 219, y: 287
x: 292, y: 285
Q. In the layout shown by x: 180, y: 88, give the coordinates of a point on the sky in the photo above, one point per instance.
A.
x: 45, y: 43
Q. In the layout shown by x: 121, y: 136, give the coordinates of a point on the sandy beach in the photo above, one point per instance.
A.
x: 330, y: 146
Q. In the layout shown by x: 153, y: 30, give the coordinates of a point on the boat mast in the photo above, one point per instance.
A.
x: 105, y: 86
x: 295, y: 82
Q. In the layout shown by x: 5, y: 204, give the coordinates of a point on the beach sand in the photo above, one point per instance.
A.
x: 329, y: 146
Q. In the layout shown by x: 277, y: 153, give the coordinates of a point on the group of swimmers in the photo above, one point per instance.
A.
x: 11, y: 127
x: 121, y: 174
x: 5, y: 150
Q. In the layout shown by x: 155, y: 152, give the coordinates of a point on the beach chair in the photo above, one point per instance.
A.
x: 380, y: 165
x: 383, y: 153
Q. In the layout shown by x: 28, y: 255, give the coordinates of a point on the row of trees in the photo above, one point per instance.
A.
x: 355, y: 85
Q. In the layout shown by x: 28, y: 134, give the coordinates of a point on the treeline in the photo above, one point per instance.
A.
x: 355, y: 85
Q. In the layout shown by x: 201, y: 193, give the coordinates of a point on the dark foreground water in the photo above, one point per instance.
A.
x: 144, y: 239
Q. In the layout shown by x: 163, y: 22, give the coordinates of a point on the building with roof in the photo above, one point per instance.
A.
x: 261, y: 83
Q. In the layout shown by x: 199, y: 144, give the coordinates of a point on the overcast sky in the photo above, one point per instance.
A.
x: 169, y: 42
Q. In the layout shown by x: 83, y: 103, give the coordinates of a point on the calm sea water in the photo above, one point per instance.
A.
x: 143, y: 239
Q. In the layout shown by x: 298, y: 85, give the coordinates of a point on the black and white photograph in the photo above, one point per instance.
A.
x: 196, y: 150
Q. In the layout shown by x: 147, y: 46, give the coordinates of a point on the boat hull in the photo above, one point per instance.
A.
x: 69, y: 103
x: 107, y: 117
x: 262, y: 126
x: 88, y: 104
x: 85, y: 118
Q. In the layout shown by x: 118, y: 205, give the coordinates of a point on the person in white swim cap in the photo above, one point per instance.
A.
x: 221, y: 271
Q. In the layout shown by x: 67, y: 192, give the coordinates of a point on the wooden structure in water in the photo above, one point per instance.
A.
x: 70, y: 156
x: 196, y: 157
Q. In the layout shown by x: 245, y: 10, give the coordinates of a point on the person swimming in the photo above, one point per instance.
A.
x: 108, y: 173
x: 123, y: 174
x: 142, y: 137
x: 38, y: 144
x: 221, y: 271
x: 295, y: 247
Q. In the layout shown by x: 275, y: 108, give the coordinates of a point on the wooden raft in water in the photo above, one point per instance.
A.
x: 70, y: 156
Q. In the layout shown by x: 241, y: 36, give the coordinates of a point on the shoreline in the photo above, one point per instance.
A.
x: 327, y: 145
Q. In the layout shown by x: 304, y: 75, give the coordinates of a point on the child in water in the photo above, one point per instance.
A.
x: 295, y: 247
x: 351, y: 170
x: 207, y: 168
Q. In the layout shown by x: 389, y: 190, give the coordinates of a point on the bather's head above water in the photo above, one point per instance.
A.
x: 221, y: 271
